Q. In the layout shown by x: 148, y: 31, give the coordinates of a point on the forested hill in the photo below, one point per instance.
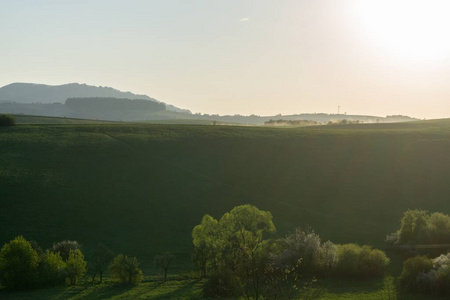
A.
x: 41, y: 93
x: 114, y: 108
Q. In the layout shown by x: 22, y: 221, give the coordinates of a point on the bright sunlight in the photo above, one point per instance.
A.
x: 407, y: 29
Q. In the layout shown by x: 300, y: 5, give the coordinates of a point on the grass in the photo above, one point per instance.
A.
x: 179, y: 287
x: 140, y: 188
x: 151, y: 288
x: 30, y: 119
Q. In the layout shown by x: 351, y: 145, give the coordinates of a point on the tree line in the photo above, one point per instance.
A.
x: 238, y: 258
x: 421, y: 273
x: 24, y: 265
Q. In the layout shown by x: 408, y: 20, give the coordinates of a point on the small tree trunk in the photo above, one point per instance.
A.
x: 93, y: 278
x: 165, y: 275
x: 101, y: 277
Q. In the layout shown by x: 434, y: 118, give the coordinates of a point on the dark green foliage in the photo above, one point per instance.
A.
x: 207, y: 243
x: 354, y: 261
x: 420, y: 227
x: 412, y: 267
x: 52, y: 269
x: 18, y: 264
x: 223, y: 284
x: 126, y: 270
x: 7, y: 120
x: 100, y: 260
x: 348, y: 255
x: 64, y: 248
x: 238, y: 249
x: 428, y: 276
x: 414, y: 227
x: 163, y: 261
x: 372, y: 262
x: 75, y: 266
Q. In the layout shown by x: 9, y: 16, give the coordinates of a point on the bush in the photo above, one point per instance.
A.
x: 348, y: 256
x: 52, y: 269
x: 126, y: 270
x: 7, y: 120
x: 222, y: 284
x: 412, y: 267
x: 18, y: 264
x: 372, y: 262
x: 75, y: 266
x: 327, y: 257
x: 436, y: 281
x: 360, y: 262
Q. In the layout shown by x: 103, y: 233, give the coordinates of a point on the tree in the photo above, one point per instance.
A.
x: 75, y: 266
x: 245, y: 254
x: 235, y: 248
x: 327, y: 257
x: 52, y: 269
x: 126, y: 270
x: 207, y: 243
x: 302, y: 244
x: 100, y: 259
x: 64, y: 248
x: 7, y: 120
x: 412, y: 267
x: 18, y: 264
x: 163, y: 261
x: 413, y: 226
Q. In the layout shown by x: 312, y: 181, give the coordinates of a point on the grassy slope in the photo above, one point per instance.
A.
x: 141, y: 188
x: 29, y: 119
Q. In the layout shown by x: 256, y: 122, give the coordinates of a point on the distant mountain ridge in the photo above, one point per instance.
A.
x: 42, y: 93
x: 106, y: 103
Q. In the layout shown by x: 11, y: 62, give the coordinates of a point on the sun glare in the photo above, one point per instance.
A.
x: 408, y: 29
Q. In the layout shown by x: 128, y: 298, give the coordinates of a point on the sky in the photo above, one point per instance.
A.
x: 244, y: 57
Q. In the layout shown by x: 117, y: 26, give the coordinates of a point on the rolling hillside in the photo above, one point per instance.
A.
x: 140, y: 189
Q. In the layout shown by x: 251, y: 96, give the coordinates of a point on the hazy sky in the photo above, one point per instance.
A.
x: 234, y: 56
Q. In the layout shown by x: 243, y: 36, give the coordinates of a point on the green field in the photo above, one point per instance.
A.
x: 140, y: 189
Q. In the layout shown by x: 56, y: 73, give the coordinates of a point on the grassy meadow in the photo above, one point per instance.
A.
x: 141, y: 188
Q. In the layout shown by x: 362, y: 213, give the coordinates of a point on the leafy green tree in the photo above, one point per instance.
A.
x: 413, y: 226
x: 243, y: 230
x: 439, y: 228
x: 52, y: 269
x: 207, y: 243
x: 163, y: 261
x: 18, y: 264
x: 100, y: 260
x: 126, y: 270
x: 64, y: 248
x: 75, y: 266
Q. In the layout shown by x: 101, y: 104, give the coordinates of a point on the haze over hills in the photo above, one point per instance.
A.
x: 106, y: 103
x: 49, y: 94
